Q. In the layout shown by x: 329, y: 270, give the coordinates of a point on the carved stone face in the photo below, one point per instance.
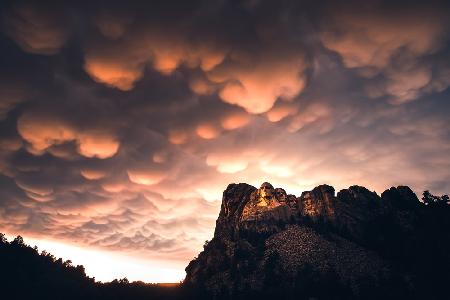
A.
x: 280, y: 195
x: 262, y: 199
x: 266, y: 192
x: 266, y: 185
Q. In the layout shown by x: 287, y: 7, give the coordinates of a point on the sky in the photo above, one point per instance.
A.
x: 121, y: 123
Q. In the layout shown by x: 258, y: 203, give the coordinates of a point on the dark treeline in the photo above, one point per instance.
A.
x: 27, y: 274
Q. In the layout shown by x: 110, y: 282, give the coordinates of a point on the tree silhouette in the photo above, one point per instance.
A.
x: 27, y: 274
x: 430, y: 199
x: 415, y: 242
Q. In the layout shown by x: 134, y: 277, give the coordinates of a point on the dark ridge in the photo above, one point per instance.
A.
x: 321, y: 245
x: 271, y: 245
x: 27, y: 274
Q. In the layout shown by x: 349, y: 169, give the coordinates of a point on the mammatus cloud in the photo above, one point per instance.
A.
x: 389, y: 44
x: 254, y: 84
x: 35, y: 29
x: 177, y: 137
x: 123, y: 63
x: 114, y: 74
x: 207, y: 131
x: 92, y: 174
x: 146, y: 177
x: 254, y: 81
x: 42, y: 132
x: 257, y: 87
x: 235, y: 121
x: 120, y: 126
x: 310, y: 114
x: 281, y: 111
x: 112, y: 25
x: 10, y: 96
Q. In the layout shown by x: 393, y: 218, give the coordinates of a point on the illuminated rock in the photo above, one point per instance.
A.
x: 267, y: 206
x: 265, y: 236
x: 320, y: 202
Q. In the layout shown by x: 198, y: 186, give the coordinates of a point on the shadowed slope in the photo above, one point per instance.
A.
x: 355, y: 244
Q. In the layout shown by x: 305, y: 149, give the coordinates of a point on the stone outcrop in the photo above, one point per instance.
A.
x: 402, y: 198
x: 354, y: 235
x: 265, y: 210
x: 317, y: 204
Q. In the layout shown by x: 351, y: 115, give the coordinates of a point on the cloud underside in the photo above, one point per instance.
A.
x: 121, y: 126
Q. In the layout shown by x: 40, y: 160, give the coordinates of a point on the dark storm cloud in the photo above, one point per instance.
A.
x: 121, y: 123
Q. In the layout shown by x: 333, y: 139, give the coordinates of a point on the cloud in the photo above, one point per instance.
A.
x: 207, y: 131
x: 258, y: 85
x: 235, y: 120
x: 36, y: 189
x: 369, y: 39
x: 35, y: 29
x: 308, y: 115
x: 113, y: 73
x: 42, y: 132
x: 406, y: 85
x: 97, y: 144
x: 127, y: 136
x: 10, y: 96
x: 92, y: 174
x: 227, y: 162
x: 121, y: 64
x: 146, y: 176
x: 113, y: 187
x: 389, y: 43
x: 252, y: 81
x: 112, y: 24
x: 9, y: 144
x: 280, y: 112
x: 177, y: 137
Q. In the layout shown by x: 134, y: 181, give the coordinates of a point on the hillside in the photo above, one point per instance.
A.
x: 270, y: 245
x: 353, y: 244
x: 27, y: 274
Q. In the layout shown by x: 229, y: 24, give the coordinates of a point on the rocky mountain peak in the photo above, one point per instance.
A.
x: 266, y: 204
x: 355, y: 237
x: 268, y: 209
x: 265, y: 196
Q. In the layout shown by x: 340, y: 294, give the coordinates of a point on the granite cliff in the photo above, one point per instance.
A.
x: 353, y: 244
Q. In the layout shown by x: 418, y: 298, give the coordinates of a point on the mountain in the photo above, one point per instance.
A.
x: 323, y: 245
x: 271, y: 245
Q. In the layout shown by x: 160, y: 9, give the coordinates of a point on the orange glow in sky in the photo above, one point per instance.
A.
x: 122, y: 125
x: 108, y: 265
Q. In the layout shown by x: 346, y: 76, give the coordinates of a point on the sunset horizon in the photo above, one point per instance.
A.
x: 108, y: 265
x: 184, y: 141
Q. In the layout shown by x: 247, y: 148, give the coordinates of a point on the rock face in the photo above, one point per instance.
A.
x: 265, y: 210
x: 318, y: 203
x: 353, y: 244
